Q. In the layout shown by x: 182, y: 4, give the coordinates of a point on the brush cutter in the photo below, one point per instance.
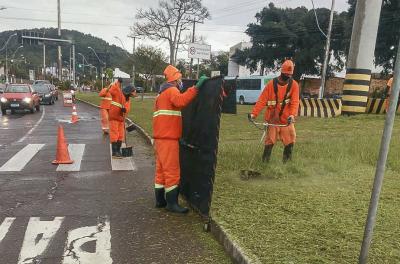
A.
x: 247, y: 174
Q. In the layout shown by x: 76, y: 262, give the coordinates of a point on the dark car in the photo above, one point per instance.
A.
x: 19, y: 97
x: 46, y: 95
x: 41, y: 82
x: 139, y: 89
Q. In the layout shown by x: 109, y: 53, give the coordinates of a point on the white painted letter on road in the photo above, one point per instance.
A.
x: 5, y: 227
x: 37, y: 238
x: 77, y: 238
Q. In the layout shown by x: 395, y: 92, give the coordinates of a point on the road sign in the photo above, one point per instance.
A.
x: 215, y: 73
x: 199, y: 51
x: 31, y: 75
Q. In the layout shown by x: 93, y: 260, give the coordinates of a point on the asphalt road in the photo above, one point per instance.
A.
x: 95, y: 211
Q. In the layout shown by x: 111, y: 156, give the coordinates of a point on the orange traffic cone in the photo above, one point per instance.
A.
x: 74, y: 117
x: 62, y: 156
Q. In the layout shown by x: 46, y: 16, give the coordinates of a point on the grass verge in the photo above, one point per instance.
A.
x: 313, y: 209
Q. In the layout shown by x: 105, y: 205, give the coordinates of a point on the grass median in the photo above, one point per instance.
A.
x: 313, y: 209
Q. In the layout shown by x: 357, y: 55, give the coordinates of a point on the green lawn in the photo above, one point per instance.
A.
x: 313, y: 209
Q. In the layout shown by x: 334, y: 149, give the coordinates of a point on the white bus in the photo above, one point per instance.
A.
x: 249, y: 88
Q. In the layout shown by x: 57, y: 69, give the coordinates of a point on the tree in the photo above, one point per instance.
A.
x: 169, y: 22
x: 149, y: 62
x: 292, y: 33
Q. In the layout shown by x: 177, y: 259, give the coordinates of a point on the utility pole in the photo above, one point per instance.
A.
x: 70, y: 64
x: 193, y: 39
x: 361, y: 57
x: 327, y: 52
x: 73, y: 65
x: 44, y: 57
x: 59, y: 35
x: 133, y: 54
x: 381, y: 165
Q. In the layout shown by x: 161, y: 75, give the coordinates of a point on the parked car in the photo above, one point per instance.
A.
x: 139, y: 89
x: 19, y: 97
x: 46, y: 95
x: 41, y: 82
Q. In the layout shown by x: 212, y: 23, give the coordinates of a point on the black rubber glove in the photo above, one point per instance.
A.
x: 123, y: 110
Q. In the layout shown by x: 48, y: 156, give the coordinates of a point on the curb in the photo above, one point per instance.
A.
x: 231, y: 248
x: 141, y: 131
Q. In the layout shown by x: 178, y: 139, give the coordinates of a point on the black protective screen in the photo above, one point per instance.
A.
x: 199, y: 144
x: 229, y: 102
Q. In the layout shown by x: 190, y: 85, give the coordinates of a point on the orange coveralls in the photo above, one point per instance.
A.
x: 167, y: 129
x: 104, y: 108
x: 389, y: 92
x: 116, y: 117
x: 268, y: 99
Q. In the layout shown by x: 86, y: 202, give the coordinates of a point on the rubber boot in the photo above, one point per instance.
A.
x: 160, y: 197
x: 267, y: 153
x: 119, y: 144
x: 115, y: 153
x: 287, y: 153
x: 172, y: 202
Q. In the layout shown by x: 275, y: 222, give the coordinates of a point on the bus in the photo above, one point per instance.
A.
x: 248, y: 89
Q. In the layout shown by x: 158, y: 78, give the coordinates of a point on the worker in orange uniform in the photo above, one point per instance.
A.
x: 119, y: 108
x: 388, y: 93
x: 104, y: 108
x: 281, y: 97
x: 167, y: 129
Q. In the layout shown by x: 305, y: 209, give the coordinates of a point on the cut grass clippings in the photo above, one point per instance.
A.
x: 313, y: 209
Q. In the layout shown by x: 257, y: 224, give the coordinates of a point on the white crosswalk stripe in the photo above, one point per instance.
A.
x: 22, y: 158
x: 76, y: 154
x: 125, y: 164
x: 43, y: 235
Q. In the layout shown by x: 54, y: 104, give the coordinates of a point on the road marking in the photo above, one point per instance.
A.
x: 5, y: 227
x: 33, y: 128
x: 19, y: 160
x: 77, y: 238
x: 125, y: 164
x: 76, y: 153
x: 37, y: 238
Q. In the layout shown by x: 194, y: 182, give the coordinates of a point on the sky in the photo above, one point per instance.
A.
x: 106, y: 19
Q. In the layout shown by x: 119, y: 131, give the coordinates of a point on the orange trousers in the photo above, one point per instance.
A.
x: 286, y: 134
x: 117, y: 131
x: 168, y: 172
x: 104, y: 119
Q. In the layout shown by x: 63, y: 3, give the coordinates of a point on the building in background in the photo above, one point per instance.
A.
x: 235, y: 69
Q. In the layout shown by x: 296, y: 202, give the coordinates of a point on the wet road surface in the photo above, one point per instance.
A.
x: 91, y: 212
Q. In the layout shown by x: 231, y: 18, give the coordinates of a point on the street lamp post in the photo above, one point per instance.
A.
x: 103, y: 64
x: 130, y: 57
x: 5, y: 46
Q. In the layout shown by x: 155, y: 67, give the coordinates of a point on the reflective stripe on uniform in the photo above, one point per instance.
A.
x: 158, y: 186
x: 167, y: 112
x: 116, y: 104
x: 107, y: 98
x: 171, y: 188
x: 271, y: 103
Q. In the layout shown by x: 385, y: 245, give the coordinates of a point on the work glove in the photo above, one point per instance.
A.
x: 201, y: 81
x: 250, y: 117
x: 123, y: 110
x: 290, y: 119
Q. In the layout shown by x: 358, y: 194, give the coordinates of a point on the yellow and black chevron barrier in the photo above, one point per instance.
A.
x: 355, y: 91
x: 378, y: 106
x: 320, y: 107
